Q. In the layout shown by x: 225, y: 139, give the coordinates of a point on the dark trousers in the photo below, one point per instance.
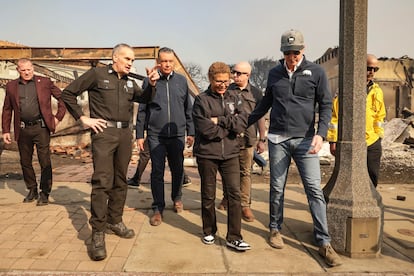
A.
x: 374, y: 153
x: 111, y: 151
x: 28, y: 138
x: 230, y: 174
x: 160, y: 148
x: 144, y: 157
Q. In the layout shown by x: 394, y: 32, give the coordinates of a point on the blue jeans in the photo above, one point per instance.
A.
x: 280, y: 156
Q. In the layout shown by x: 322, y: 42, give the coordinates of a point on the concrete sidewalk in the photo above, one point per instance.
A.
x: 53, y: 239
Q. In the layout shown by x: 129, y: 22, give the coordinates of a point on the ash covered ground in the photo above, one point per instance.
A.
x: 397, y: 165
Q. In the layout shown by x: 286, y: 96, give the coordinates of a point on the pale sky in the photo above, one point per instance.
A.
x: 202, y: 32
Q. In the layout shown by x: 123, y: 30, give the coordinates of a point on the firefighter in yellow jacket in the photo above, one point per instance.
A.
x: 375, y: 114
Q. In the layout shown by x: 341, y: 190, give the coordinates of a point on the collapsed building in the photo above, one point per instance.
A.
x: 395, y: 77
x: 63, y: 65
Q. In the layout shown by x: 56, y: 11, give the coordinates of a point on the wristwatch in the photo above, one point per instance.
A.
x: 263, y: 140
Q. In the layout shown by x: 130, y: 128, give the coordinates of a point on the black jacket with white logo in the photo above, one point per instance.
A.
x: 218, y: 141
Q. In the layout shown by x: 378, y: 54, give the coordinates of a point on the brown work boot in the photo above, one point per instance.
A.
x: 156, y: 219
x: 178, y: 206
x: 98, y: 250
x: 247, y: 214
x: 275, y: 239
x: 330, y: 256
x: 223, y: 204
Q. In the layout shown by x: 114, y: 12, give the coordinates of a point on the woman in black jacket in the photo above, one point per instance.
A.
x: 218, y: 120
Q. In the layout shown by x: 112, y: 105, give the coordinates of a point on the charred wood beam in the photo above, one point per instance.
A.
x: 51, y: 74
x: 179, y: 67
x: 86, y: 54
x: 70, y: 54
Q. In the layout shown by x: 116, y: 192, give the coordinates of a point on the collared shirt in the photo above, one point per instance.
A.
x: 28, y: 101
x: 169, y: 112
x: 290, y: 73
x: 276, y: 138
x: 293, y: 102
x: 167, y: 77
x: 251, y: 96
x: 110, y: 98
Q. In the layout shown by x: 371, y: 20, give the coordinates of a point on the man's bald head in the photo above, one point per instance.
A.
x: 243, y: 66
x: 241, y: 74
x: 372, y: 66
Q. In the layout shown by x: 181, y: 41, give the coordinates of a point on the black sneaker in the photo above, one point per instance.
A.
x: 186, y: 181
x: 239, y: 245
x: 31, y: 196
x: 133, y: 183
x: 43, y: 199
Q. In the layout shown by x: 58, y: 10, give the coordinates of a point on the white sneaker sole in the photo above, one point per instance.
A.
x: 208, y: 241
x: 238, y: 248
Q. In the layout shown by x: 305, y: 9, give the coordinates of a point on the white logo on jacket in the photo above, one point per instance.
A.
x: 307, y: 73
x: 231, y: 107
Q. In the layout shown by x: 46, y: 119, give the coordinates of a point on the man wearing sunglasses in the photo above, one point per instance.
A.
x: 375, y: 115
x: 296, y: 90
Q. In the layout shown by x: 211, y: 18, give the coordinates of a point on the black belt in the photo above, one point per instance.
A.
x: 117, y: 124
x: 24, y: 124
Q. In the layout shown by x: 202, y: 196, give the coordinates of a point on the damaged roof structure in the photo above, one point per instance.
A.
x: 396, y: 79
x: 48, y: 61
x: 63, y: 65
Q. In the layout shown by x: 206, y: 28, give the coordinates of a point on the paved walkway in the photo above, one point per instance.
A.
x: 53, y: 239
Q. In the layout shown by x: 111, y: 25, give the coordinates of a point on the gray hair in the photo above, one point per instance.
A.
x: 118, y: 48
x: 23, y: 60
x: 165, y: 50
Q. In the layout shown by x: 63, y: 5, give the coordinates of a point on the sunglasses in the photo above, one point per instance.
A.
x: 237, y: 73
x: 287, y: 53
x: 370, y: 69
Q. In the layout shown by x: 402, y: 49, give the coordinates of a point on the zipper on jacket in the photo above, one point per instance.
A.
x: 223, y: 105
x: 292, y: 81
x: 168, y: 107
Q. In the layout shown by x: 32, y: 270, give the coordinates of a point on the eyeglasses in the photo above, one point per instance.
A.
x: 237, y: 73
x: 222, y: 82
x: 287, y: 53
x: 370, y: 68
